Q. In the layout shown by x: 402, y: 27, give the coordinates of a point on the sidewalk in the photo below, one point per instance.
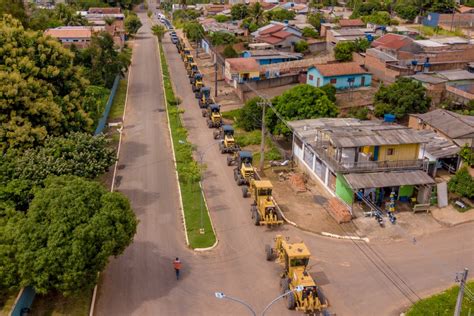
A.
x: 449, y: 216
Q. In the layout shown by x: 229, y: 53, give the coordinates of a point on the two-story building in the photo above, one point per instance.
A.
x: 349, y: 156
x: 340, y: 75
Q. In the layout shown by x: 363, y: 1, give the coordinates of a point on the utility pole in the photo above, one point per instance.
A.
x: 263, y: 104
x: 215, y: 77
x: 462, y: 280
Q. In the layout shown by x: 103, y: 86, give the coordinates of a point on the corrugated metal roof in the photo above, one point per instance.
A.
x: 387, y: 179
x: 452, y: 124
x: 439, y: 146
x: 380, y: 54
x: 458, y: 74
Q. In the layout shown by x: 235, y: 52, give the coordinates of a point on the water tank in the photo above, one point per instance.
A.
x: 389, y: 118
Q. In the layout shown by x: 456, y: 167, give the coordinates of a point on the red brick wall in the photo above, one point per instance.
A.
x: 379, y: 70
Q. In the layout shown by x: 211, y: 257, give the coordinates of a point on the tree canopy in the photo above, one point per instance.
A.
x: 280, y: 14
x: 301, y: 46
x: 230, y: 52
x: 250, y: 116
x: 132, y: 23
x: 42, y: 90
x: 159, y: 31
x: 343, y: 51
x: 401, y: 98
x: 72, y: 227
x: 222, y: 38
x: 310, y: 32
x: 301, y: 102
x: 462, y: 183
x: 194, y: 31
x: 239, y: 11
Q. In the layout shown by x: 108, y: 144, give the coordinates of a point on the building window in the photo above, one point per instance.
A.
x: 333, y: 81
x: 390, y: 151
x: 311, y: 77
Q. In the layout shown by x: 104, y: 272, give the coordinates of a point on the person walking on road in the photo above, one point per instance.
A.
x: 177, y: 267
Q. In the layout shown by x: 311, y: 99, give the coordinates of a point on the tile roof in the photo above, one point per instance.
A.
x: 243, y: 64
x: 351, y: 22
x: 340, y: 69
x: 270, y: 39
x: 392, y: 41
x: 112, y: 10
x: 274, y: 28
x: 281, y: 34
x: 465, y: 9
x: 387, y: 179
x: 70, y: 32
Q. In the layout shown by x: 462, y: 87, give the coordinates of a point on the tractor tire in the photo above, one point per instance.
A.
x: 209, y: 123
x: 284, y: 285
x: 268, y: 253
x: 321, y: 296
x: 278, y: 214
x: 236, y: 174
x: 240, y: 180
x: 245, y: 191
x: 216, y: 136
x: 256, y: 217
x: 203, y: 112
x: 290, y: 301
x: 229, y: 161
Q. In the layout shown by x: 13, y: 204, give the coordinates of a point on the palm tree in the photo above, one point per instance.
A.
x: 159, y: 31
x: 256, y: 13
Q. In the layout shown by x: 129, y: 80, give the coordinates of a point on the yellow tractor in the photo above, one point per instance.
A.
x: 196, y: 82
x: 244, y: 171
x: 192, y: 68
x: 188, y: 59
x: 184, y: 52
x: 305, y: 295
x: 204, y: 97
x: 264, y: 211
x: 213, y: 114
x: 228, y: 145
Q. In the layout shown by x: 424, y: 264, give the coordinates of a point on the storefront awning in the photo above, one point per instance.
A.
x: 387, y: 179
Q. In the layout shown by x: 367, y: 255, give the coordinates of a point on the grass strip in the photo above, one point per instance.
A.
x: 76, y: 304
x: 188, y: 171
x: 116, y: 111
x: 442, y: 303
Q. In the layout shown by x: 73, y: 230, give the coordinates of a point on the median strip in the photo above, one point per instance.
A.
x: 198, y: 226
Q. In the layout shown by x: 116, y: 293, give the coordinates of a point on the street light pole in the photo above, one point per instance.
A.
x: 221, y: 295
x: 296, y: 289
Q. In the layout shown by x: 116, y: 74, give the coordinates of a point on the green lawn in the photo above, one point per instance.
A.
x: 442, y: 304
x: 188, y: 171
x: 116, y: 111
x: 55, y: 304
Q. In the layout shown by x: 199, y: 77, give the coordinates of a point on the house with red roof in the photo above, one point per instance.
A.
x: 239, y: 70
x: 340, y: 75
x: 280, y: 35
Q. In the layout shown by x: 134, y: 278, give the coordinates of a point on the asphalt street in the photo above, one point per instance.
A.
x: 357, y: 280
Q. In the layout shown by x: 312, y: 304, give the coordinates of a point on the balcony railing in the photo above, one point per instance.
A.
x: 370, y: 166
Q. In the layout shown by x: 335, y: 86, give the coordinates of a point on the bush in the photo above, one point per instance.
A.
x: 301, y: 46
x: 222, y: 38
x: 462, y: 183
x: 467, y: 155
x: 359, y: 113
x: 343, y: 51
x: 250, y: 116
x: 310, y: 32
x: 229, y: 52
x: 221, y: 18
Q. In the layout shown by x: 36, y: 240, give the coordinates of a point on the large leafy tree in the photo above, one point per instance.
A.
x: 72, y: 227
x: 159, y: 31
x: 41, y: 19
x: 250, y: 116
x: 101, y: 60
x: 280, y: 14
x: 132, y: 23
x: 15, y: 8
x: 194, y: 31
x: 343, y: 51
x: 41, y: 92
x: 401, y: 98
x: 301, y: 102
x: 239, y: 11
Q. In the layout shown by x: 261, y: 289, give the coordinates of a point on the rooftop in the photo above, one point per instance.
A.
x: 109, y: 10
x: 439, y: 146
x: 392, y: 41
x: 272, y: 53
x: 429, y: 43
x: 387, y: 179
x: 457, y: 74
x: 350, y: 132
x: 380, y: 54
x: 272, y: 29
x: 243, y: 64
x: 449, y: 123
x: 351, y: 22
x: 70, y: 32
x: 340, y: 69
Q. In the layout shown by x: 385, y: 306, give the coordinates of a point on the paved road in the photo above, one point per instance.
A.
x: 140, y: 282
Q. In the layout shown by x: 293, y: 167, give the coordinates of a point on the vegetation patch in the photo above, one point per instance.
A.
x: 189, y: 172
x: 442, y: 304
x: 58, y: 305
x: 116, y: 111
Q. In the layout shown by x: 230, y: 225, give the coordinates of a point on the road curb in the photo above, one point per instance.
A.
x: 212, y: 224
x: 172, y: 145
x: 345, y: 237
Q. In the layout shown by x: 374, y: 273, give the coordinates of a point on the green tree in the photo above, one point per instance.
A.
x: 95, y: 100
x: 315, y: 20
x: 15, y: 8
x: 343, y: 51
x: 159, y: 31
x: 407, y: 12
x: 467, y: 155
x: 462, y: 183
x: 301, y: 46
x: 401, y: 98
x: 280, y: 14
x: 42, y: 91
x: 330, y: 91
x: 71, y: 229
x: 250, y: 116
x: 42, y: 19
x: 256, y: 13
x: 361, y: 45
x: 239, y: 11
x: 379, y: 18
x: 310, y: 32
x: 102, y: 61
x: 132, y: 24
x: 222, y: 38
x: 194, y: 31
x: 359, y: 113
x: 301, y: 102
x: 68, y: 16
x: 229, y: 52
x: 221, y: 18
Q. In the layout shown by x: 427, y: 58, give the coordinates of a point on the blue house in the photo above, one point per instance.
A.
x: 271, y: 56
x: 340, y: 75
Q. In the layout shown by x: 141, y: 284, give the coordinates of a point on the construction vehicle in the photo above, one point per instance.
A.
x: 196, y: 82
x: 197, y: 75
x: 192, y: 69
x: 188, y: 59
x: 204, y: 97
x: 184, y: 52
x: 244, y: 171
x: 305, y: 295
x: 213, y: 114
x: 264, y: 210
x: 228, y: 145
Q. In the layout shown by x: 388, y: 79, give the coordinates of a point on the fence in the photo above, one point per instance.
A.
x: 105, y: 115
x: 23, y: 301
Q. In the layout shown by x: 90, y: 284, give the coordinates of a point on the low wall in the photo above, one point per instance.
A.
x: 243, y: 89
x: 105, y: 115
